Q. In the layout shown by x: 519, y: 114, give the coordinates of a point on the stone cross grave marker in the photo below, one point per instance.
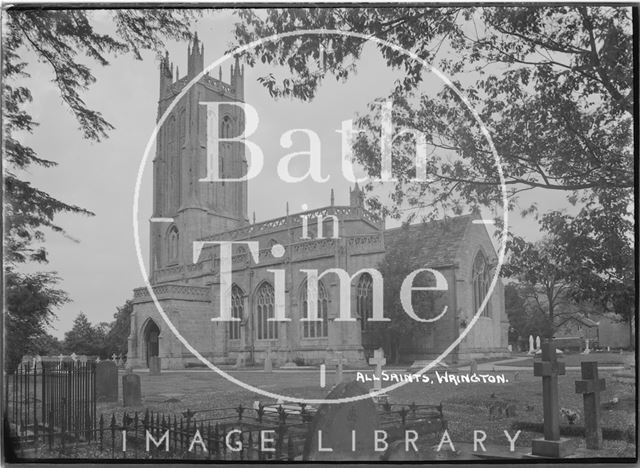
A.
x: 347, y: 429
x: 531, y: 348
x: 131, y: 392
x: 338, y: 361
x: 106, y: 381
x: 537, y: 342
x: 549, y: 368
x: 154, y: 365
x: 268, y: 364
x: 586, y: 347
x: 590, y: 386
x: 378, y: 360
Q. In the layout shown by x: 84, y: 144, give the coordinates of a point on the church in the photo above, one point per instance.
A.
x: 189, y: 291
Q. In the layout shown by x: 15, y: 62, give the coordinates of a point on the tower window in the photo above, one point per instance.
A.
x: 173, y: 239
x: 225, y: 127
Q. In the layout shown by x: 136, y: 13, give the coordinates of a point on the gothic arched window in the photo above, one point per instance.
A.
x: 315, y: 329
x: 364, y: 299
x: 237, y: 311
x: 481, y: 279
x: 172, y: 244
x: 265, y: 309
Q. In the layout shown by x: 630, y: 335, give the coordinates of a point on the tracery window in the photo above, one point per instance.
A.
x: 316, y: 329
x: 364, y: 299
x: 237, y: 311
x: 265, y: 309
x: 481, y: 275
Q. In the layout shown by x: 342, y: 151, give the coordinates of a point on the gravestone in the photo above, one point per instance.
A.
x: 239, y: 361
x: 549, y: 368
x: 474, y: 367
x: 532, y: 350
x: 586, y: 347
x: 154, y: 365
x: 268, y: 364
x: 106, y: 381
x: 378, y: 360
x: 334, y: 426
x: 590, y: 386
x: 538, y: 342
x: 131, y: 391
x: 27, y: 359
x: 338, y: 361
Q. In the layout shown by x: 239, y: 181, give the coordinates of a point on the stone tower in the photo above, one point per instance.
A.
x: 198, y: 209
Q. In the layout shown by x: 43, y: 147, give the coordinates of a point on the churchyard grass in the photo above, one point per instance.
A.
x: 574, y: 359
x: 466, y: 406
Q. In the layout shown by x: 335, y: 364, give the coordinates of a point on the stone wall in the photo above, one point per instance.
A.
x: 488, y: 336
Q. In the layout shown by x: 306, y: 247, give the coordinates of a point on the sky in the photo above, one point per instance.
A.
x: 96, y: 261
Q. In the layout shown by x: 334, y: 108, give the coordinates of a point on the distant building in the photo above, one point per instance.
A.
x: 189, y: 292
x: 572, y: 332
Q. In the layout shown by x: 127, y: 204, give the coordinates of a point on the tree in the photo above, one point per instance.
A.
x: 49, y: 345
x: 84, y: 338
x: 599, y: 254
x: 399, y: 261
x: 514, y: 307
x: 544, y: 279
x: 553, y: 85
x: 554, y: 89
x: 116, y: 338
x: 63, y: 39
x: 30, y: 304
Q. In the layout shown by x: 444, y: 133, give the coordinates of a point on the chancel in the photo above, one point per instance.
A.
x: 352, y: 239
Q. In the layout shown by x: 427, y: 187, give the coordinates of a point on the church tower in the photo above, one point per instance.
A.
x: 197, y: 209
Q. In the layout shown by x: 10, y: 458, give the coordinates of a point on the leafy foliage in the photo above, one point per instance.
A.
x: 553, y: 86
x: 64, y: 40
x: 83, y: 338
x: 400, y: 260
x: 103, y: 339
x: 116, y: 338
x: 599, y: 252
x: 555, y: 90
x: 543, y: 276
x: 30, y: 303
